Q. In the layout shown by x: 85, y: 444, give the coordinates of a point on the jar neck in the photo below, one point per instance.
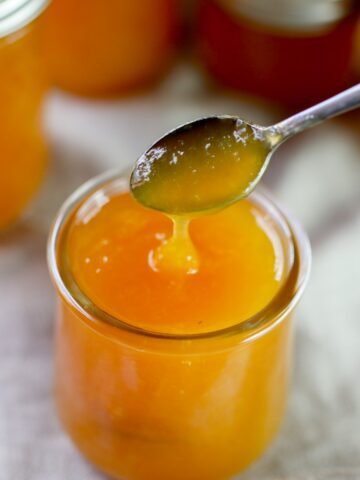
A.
x: 296, y: 252
x: 293, y: 15
x: 16, y: 14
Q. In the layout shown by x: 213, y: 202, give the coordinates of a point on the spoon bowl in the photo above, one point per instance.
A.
x: 201, y: 166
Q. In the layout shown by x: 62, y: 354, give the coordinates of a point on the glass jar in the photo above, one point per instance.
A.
x: 99, y: 48
x: 22, y: 89
x: 297, y: 52
x: 357, y: 51
x: 147, y: 405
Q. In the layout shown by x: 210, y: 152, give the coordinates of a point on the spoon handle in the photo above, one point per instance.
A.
x: 341, y: 103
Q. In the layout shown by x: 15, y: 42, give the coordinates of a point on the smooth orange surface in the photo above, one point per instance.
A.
x: 240, y: 266
x: 22, y: 149
x: 145, y: 408
x: 95, y: 47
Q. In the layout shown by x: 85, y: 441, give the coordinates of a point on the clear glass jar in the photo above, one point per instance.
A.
x: 100, y: 48
x: 22, y: 88
x: 296, y: 52
x: 146, y: 405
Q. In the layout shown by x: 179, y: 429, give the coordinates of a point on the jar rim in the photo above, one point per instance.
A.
x: 16, y: 14
x: 291, y: 14
x: 253, y: 327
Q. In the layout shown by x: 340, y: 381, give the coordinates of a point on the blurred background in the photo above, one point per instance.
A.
x: 86, y: 86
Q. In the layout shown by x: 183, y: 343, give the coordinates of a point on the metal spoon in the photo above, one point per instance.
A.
x: 215, y: 161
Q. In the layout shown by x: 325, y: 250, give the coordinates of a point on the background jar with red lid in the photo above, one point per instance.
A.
x: 97, y: 48
x: 295, y: 52
x: 23, y: 155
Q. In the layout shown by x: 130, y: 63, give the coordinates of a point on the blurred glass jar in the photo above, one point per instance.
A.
x: 97, y: 48
x: 296, y: 52
x: 22, y: 87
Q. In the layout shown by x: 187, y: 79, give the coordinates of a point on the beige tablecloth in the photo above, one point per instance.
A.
x: 317, y: 176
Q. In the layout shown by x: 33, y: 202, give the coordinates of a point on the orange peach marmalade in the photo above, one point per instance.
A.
x: 241, y: 266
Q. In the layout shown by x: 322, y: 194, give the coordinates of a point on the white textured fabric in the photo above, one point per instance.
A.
x: 316, y: 176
